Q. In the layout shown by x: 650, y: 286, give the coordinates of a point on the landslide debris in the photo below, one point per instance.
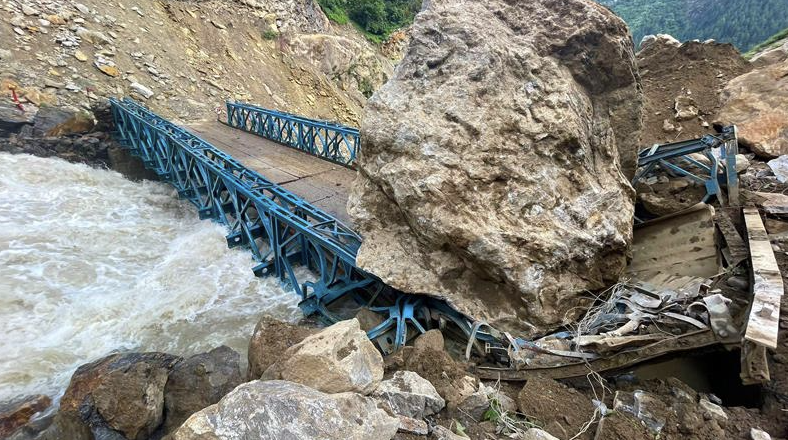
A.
x: 491, y: 172
x: 682, y: 84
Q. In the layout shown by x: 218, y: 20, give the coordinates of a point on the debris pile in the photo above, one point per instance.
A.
x: 491, y: 172
x: 681, y: 84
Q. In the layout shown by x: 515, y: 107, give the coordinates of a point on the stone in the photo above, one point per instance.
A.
x: 269, y: 340
x: 759, y: 434
x: 475, y: 405
x: 92, y: 36
x: 108, y: 69
x: 82, y: 8
x: 537, y: 434
x: 713, y: 409
x: 18, y: 412
x: 772, y: 55
x: 756, y: 103
x: 60, y: 121
x: 13, y: 119
x: 6, y: 54
x: 218, y: 25
x: 141, y: 90
x: 667, y: 126
x: 621, y: 426
x: 339, y: 358
x: 412, y: 426
x: 198, y: 382
x: 549, y: 401
x: 663, y: 39
x: 410, y: 395
x: 685, y: 108
x: 779, y: 167
x: 273, y: 410
x: 492, y: 167
x: 121, y: 394
x: 443, y: 433
x: 28, y: 10
x: 78, y: 54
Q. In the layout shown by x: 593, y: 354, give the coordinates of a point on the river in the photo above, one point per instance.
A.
x: 91, y: 262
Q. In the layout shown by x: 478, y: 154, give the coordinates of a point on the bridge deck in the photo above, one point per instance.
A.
x: 321, y: 183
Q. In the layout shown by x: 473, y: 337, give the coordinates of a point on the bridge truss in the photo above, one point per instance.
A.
x: 327, y: 140
x: 281, y: 230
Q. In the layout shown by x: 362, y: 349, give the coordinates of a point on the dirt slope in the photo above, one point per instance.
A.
x: 190, y: 55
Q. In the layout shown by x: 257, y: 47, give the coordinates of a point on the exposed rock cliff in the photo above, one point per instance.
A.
x: 491, y: 167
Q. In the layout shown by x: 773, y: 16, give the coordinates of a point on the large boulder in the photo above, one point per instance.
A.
x: 284, y: 410
x: 491, y: 166
x: 269, y: 340
x: 198, y: 382
x: 119, y: 396
x: 338, y: 359
x: 757, y: 102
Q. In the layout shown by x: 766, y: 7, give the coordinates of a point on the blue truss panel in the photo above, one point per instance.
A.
x: 326, y: 140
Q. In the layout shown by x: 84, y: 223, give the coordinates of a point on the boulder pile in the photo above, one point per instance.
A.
x: 494, y: 162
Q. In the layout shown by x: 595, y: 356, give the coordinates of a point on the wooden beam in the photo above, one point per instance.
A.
x: 767, y: 286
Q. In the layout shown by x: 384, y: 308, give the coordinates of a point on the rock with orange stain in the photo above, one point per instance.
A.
x: 15, y: 414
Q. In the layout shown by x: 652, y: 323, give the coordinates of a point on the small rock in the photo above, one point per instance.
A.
x: 738, y: 282
x: 269, y: 340
x: 759, y: 434
x: 218, y: 25
x: 82, y: 8
x: 413, y: 426
x: 78, y: 54
x: 537, y: 434
x: 337, y: 359
x: 19, y: 31
x: 108, y: 69
x: 408, y: 394
x: 667, y: 126
x: 28, y: 10
x: 138, y: 11
x: 44, y: 22
x: 443, y: 433
x: 17, y: 413
x: 56, y: 19
x: 685, y: 108
x: 713, y: 409
x: 141, y: 90
x: 5, y: 54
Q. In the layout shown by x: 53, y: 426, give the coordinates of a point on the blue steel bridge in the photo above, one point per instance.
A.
x: 279, y: 183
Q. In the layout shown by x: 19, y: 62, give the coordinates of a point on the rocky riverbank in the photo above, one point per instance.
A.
x: 332, y: 383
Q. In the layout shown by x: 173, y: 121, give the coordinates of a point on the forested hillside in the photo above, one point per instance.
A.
x: 744, y: 23
x: 377, y: 18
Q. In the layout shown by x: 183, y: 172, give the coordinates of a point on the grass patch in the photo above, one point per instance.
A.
x: 768, y: 43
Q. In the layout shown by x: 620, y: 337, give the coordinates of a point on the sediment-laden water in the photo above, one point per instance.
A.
x: 91, y: 262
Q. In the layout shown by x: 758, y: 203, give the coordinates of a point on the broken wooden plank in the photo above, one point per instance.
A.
x: 767, y: 288
x: 678, y: 244
x: 736, y: 246
x: 754, y: 366
x: 688, y: 341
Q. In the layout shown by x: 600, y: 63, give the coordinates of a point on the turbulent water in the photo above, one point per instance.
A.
x: 91, y: 262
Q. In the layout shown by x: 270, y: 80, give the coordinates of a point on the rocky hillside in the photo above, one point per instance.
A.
x: 744, y: 23
x: 184, y: 58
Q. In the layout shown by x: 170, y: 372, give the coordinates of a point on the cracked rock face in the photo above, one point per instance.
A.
x: 491, y: 169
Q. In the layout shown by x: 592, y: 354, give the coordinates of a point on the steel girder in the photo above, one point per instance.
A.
x: 281, y: 230
x: 326, y: 140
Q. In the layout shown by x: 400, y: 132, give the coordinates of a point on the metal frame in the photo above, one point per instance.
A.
x: 280, y: 229
x: 661, y: 155
x: 326, y: 140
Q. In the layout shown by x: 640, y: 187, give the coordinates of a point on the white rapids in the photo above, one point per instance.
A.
x: 91, y: 262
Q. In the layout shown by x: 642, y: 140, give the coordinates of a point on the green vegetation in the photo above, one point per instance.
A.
x: 376, y: 18
x: 270, y: 34
x: 783, y: 34
x: 745, y: 23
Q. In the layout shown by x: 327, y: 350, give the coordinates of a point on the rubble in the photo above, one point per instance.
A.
x: 508, y: 217
x: 408, y: 394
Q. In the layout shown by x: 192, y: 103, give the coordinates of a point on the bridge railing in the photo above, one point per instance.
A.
x: 327, y: 140
x: 281, y: 230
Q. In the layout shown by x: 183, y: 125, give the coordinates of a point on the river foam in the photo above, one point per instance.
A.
x: 91, y: 262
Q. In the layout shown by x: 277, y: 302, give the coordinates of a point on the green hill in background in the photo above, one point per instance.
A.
x: 745, y: 23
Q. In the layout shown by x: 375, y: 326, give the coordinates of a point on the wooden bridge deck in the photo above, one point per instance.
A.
x: 319, y: 182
